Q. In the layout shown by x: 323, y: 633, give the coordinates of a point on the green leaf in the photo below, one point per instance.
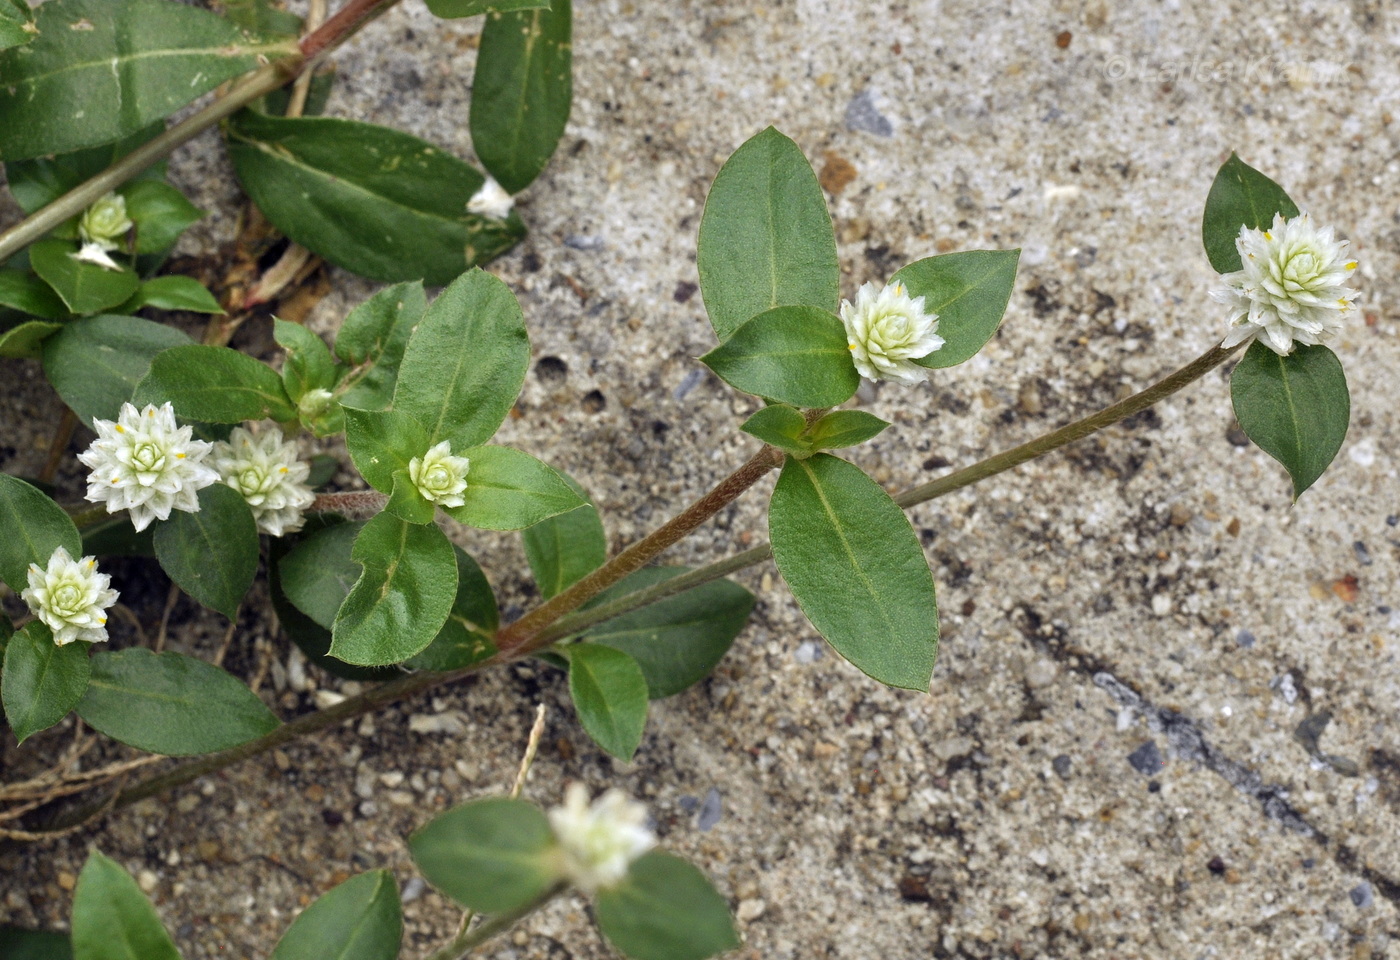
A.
x: 99, y: 71
x: 766, y: 238
x: 489, y: 855
x: 215, y: 385
x: 114, y: 536
x: 469, y: 8
x: 610, y: 695
x: 34, y: 528
x: 39, y: 182
x: 382, y: 442
x: 25, y: 341
x: 262, y: 17
x: 407, y: 502
x: 466, y: 362
x: 25, y: 292
x: 969, y: 292
x: 510, y: 490
x: 856, y: 568
x: 1296, y: 408
x: 1240, y: 197
x: 795, y: 355
x: 564, y: 549
x: 402, y: 598
x: 320, y: 571
x: 20, y: 944
x: 781, y: 426
x: 85, y: 288
x: 359, y: 919
x: 42, y: 681
x: 522, y: 91
x: 173, y: 292
x: 464, y: 639
x: 16, y: 29
x: 161, y: 213
x: 375, y: 201
x: 678, y: 641
x: 95, y: 364
x: 373, y: 339
x: 112, y: 919
x: 666, y: 909
x: 845, y: 428
x: 212, y: 555
x: 309, y: 364
x: 171, y: 704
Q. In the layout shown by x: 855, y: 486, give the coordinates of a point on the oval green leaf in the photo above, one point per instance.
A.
x: 373, y: 339
x: 564, y: 549
x: 160, y: 212
x: 38, y: 182
x: 215, y: 385
x: 308, y: 364
x: 969, y: 292
x: 360, y: 919
x: 382, y: 442
x: 112, y: 919
x: 766, y: 238
x: 212, y: 555
x: 465, y: 638
x: 320, y: 571
x: 25, y: 340
x: 96, y: 364
x: 666, y: 909
x: 34, y: 528
x: 780, y: 426
x: 173, y: 293
x: 845, y: 428
x: 85, y: 288
x: 42, y: 681
x: 488, y: 855
x: 610, y: 695
x: 1239, y: 197
x: 510, y: 490
x: 856, y: 568
x: 795, y: 355
x: 25, y: 292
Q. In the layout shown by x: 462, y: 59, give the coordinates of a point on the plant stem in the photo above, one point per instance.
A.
x: 467, y: 940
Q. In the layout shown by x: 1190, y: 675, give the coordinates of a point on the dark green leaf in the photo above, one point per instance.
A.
x: 173, y: 293
x: 666, y: 909
x: 1240, y: 197
x: 318, y: 96
x: 85, y: 288
x: 309, y: 364
x: 796, y: 355
x: 845, y: 428
x: 565, y: 548
x: 373, y: 339
x: 407, y: 501
x: 212, y: 555
x: 20, y: 944
x: 402, y: 598
x: 323, y: 468
x: 16, y: 28
x: 470, y: 8
x: 510, y: 490
x: 123, y: 67
x: 262, y: 17
x: 382, y: 442
x: 42, y: 681
x: 463, y: 639
x: 489, y: 855
x: 34, y: 528
x: 170, y: 704
x: 521, y: 91
x: 39, y: 182
x: 610, y: 695
x: 25, y: 341
x: 781, y: 426
x: 25, y: 292
x: 161, y: 213
x: 378, y: 202
x: 856, y: 568
x: 112, y: 919
x: 215, y: 385
x: 969, y: 292
x: 319, y: 572
x: 1296, y: 408
x: 766, y: 238
x: 359, y: 919
x: 114, y: 536
x: 95, y: 364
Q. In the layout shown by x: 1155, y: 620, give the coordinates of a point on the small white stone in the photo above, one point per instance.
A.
x: 750, y: 910
x: 147, y: 881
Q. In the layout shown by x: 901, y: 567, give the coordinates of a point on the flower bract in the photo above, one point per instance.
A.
x: 599, y: 841
x: 439, y: 476
x: 491, y: 201
x: 71, y: 597
x: 264, y: 468
x: 887, y: 330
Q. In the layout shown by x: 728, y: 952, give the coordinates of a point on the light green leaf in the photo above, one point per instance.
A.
x: 39, y: 182
x: 489, y: 855
x: 95, y: 364
x: 382, y: 442
x: 856, y: 568
x: 112, y: 919
x: 465, y: 638
x: 471, y: 8
x: 25, y: 341
x: 1239, y: 197
x: 34, y: 528
x: 359, y: 919
x: 215, y: 385
x: 375, y: 201
x: 666, y: 909
x: 407, y: 502
x: 99, y: 71
x: 781, y: 426
x: 566, y: 548
x: 309, y: 364
x: 510, y: 490
x: 795, y: 355
x: 85, y: 288
x: 25, y: 292
x: 173, y: 292
x: 170, y: 704
x: 372, y: 341
x: 522, y: 91
x: 766, y: 238
x: 41, y: 681
x: 161, y: 213
x: 969, y: 292
x: 212, y: 555
x: 845, y: 428
x: 1296, y: 408
x: 610, y: 695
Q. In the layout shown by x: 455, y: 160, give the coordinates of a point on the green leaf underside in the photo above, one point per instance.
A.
x: 373, y: 339
x: 42, y: 681
x: 95, y: 364
x: 680, y: 640
x: 319, y: 572
x: 25, y: 292
x: 564, y: 549
x: 781, y: 426
x: 522, y: 91
x: 796, y: 355
x: 845, y: 428
x: 610, y: 695
x: 40, y: 181
x: 212, y: 555
x: 766, y: 238
x: 402, y: 598
x: 170, y: 704
x: 510, y: 490
x: 99, y: 71
x: 360, y: 919
x: 488, y: 855
x: 215, y: 385
x: 378, y: 202
x: 20, y: 944
x: 666, y: 909
x: 969, y: 292
x: 112, y: 919
x: 382, y: 442
x: 34, y: 527
x: 173, y: 293
x: 464, y: 639
x: 85, y: 288
x: 1296, y: 408
x: 1239, y: 197
x: 25, y: 340
x: 855, y: 565
x: 451, y: 9
x: 114, y: 536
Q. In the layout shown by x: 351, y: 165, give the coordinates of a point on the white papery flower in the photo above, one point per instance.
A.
x: 105, y: 222
x: 1291, y: 286
x: 439, y: 476
x: 95, y: 253
x: 887, y: 330
x: 71, y: 597
x: 264, y: 468
x: 147, y: 464
x: 491, y: 201
x: 599, y: 842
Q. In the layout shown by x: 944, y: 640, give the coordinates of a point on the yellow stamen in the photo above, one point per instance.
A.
x: 1268, y: 235
x: 179, y: 456
x: 102, y: 621
x: 282, y: 469
x: 121, y: 429
x: 1351, y: 265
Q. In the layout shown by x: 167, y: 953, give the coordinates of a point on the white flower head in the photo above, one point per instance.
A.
x: 71, y: 597
x: 147, y: 464
x: 264, y: 468
x: 105, y: 222
x: 95, y: 253
x: 439, y: 476
x: 599, y: 842
x: 887, y: 330
x: 1292, y: 285
x: 491, y: 201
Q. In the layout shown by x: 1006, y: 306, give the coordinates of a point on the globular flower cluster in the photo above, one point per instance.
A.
x: 599, y: 841
x: 887, y: 330
x: 1291, y: 287
x: 264, y: 468
x: 440, y: 477
x: 101, y: 228
x: 70, y: 597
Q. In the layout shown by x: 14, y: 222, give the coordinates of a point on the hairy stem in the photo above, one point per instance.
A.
x: 467, y: 940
